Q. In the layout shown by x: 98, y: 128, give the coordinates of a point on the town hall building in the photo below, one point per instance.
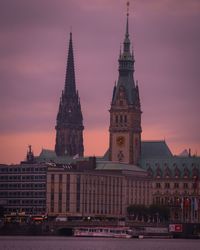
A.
x: 132, y: 171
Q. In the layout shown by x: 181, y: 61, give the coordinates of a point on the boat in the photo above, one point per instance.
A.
x: 112, y: 232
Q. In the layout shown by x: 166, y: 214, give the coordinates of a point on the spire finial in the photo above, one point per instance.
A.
x: 127, y: 4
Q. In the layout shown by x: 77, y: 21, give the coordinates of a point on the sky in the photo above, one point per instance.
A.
x: 34, y: 37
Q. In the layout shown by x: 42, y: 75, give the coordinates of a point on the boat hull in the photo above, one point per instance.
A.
x: 102, y: 232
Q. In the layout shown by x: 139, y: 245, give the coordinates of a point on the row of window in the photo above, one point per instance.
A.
x: 27, y: 210
x: 22, y: 194
x: 22, y: 170
x: 23, y: 177
x: 168, y: 185
x: 121, y: 118
x: 23, y: 186
x: 27, y: 202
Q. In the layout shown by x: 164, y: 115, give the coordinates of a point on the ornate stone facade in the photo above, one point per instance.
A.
x: 125, y: 112
x: 175, y: 182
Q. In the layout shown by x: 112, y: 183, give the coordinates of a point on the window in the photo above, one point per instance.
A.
x: 158, y: 185
x: 176, y: 185
x: 185, y: 185
x: 157, y: 200
x: 167, y: 185
x: 78, y: 194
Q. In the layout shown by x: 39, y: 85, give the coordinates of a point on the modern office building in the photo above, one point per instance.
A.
x: 23, y: 187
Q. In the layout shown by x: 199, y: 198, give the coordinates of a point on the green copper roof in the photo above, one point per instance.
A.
x: 155, y: 149
x: 150, y: 150
x: 48, y: 156
x: 109, y: 165
x: 172, y: 164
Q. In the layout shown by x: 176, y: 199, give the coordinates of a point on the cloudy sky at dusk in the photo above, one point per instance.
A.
x: 34, y: 39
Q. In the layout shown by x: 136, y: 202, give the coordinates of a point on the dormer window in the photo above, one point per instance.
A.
x: 167, y: 172
x: 177, y: 172
x: 195, y: 173
x: 150, y: 172
x: 158, y: 172
x: 186, y: 172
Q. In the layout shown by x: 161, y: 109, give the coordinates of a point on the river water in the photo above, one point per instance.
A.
x: 72, y: 243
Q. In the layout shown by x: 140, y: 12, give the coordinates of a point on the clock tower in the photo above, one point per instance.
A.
x: 125, y: 112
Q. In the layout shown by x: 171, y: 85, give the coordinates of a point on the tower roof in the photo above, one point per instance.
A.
x: 70, y: 85
x: 155, y: 150
x: 126, y: 70
x: 126, y: 39
x: 69, y: 114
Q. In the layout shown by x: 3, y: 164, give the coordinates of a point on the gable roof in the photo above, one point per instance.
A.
x: 172, y: 163
x: 155, y: 149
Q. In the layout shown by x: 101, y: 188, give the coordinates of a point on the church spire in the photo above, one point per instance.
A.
x: 70, y: 86
x: 69, y: 126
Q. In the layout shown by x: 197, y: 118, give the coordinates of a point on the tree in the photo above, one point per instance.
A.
x: 159, y: 212
x: 137, y: 212
x: 155, y: 213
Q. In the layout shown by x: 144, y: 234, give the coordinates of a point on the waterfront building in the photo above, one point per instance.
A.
x: 132, y: 171
x: 96, y: 189
x: 175, y: 180
x: 116, y: 183
x: 23, y: 187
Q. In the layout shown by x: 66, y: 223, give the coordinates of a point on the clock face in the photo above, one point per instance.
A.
x: 120, y: 140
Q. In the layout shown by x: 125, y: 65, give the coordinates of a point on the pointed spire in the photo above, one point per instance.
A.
x: 127, y: 26
x: 126, y: 40
x: 69, y: 123
x: 70, y: 86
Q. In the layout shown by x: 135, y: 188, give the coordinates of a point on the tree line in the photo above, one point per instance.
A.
x: 153, y: 213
